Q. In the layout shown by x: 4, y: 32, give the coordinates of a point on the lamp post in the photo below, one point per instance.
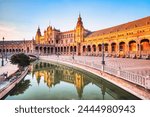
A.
x: 103, y: 61
x: 6, y: 54
x: 3, y: 53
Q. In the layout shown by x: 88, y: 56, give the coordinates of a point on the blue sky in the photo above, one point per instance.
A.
x: 19, y: 19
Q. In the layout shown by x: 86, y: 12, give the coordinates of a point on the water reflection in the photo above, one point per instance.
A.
x: 55, y: 81
x: 21, y: 88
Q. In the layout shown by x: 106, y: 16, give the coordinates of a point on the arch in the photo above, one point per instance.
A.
x: 74, y: 48
x: 40, y: 48
x: 44, y: 50
x: 58, y: 49
x: 113, y: 47
x: 61, y: 49
x: 94, y: 48
x: 64, y: 49
x: 0, y: 50
x: 52, y: 50
x: 13, y: 50
x: 122, y: 46
x: 9, y: 50
x: 99, y: 47
x: 48, y: 50
x: 106, y: 47
x: 16, y: 50
x: 71, y: 48
x: 28, y: 50
x: 145, y: 45
x: 68, y: 49
x: 89, y: 48
x: 84, y: 49
x: 36, y: 48
x: 132, y: 46
x: 55, y: 49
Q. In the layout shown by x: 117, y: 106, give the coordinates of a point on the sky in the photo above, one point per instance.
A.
x: 19, y: 19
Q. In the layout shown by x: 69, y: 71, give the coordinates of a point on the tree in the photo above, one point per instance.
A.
x: 21, y: 60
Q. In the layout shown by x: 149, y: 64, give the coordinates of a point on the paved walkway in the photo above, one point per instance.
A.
x: 130, y: 87
x: 137, y: 66
x: 8, y: 68
x: 13, y: 83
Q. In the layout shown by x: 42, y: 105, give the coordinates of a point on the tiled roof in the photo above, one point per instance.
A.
x: 14, y: 42
x: 129, y: 25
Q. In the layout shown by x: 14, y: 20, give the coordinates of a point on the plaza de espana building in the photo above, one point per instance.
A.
x: 129, y: 40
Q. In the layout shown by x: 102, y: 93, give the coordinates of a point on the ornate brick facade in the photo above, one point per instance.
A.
x: 131, y: 39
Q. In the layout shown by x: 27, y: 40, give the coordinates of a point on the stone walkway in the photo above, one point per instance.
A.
x: 137, y: 66
x: 130, y: 87
x: 8, y: 68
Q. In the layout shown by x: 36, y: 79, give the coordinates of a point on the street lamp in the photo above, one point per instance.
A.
x: 6, y: 54
x: 3, y: 53
x: 103, y: 61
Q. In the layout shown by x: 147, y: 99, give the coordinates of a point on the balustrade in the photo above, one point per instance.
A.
x: 129, y: 76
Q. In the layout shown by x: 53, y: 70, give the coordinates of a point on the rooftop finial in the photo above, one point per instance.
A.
x: 49, y: 22
x: 38, y: 27
x: 79, y: 14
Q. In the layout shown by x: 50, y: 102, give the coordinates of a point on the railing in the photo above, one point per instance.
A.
x: 12, y: 84
x: 137, y: 79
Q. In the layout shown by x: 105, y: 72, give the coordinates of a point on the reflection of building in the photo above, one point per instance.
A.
x: 79, y: 83
x: 126, y: 40
x: 53, y: 76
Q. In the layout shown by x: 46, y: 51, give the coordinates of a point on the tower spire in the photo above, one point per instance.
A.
x: 79, y: 22
x: 79, y: 14
x: 49, y: 22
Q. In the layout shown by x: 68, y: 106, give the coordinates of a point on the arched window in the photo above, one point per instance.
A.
x: 145, y: 45
x: 132, y: 46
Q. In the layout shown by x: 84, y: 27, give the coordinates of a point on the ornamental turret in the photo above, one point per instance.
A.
x: 38, y: 35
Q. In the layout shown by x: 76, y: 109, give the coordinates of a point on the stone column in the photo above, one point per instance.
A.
x: 139, y: 49
x: 68, y: 50
x: 109, y: 48
x: 54, y: 50
x: 97, y: 49
x: 127, y: 48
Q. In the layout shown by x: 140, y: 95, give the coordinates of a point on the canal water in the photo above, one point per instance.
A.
x: 51, y: 81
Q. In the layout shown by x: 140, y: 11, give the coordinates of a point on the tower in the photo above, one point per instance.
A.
x: 79, y: 32
x: 38, y: 35
x: 79, y: 83
x: 49, y: 34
